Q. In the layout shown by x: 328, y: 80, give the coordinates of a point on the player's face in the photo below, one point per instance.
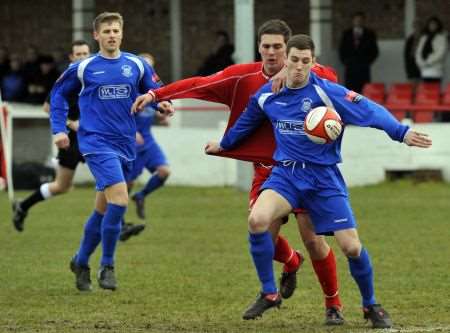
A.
x: 79, y: 52
x: 109, y: 37
x: 299, y: 63
x: 272, y: 49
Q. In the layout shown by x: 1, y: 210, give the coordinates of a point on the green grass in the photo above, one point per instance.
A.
x: 190, y: 271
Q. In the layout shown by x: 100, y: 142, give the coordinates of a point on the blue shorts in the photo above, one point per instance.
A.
x: 108, y: 169
x: 150, y: 158
x: 319, y: 189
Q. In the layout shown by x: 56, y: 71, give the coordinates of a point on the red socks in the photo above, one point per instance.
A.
x: 326, y: 273
x: 285, y: 254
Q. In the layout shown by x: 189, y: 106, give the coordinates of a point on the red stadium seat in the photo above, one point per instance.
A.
x: 429, y: 87
x: 399, y: 100
x: 405, y: 87
x: 429, y: 98
x: 375, y: 91
x: 446, y: 97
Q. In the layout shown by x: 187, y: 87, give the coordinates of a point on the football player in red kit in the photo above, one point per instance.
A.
x: 233, y: 87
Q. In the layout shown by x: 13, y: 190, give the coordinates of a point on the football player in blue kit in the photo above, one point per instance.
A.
x: 306, y: 174
x: 107, y: 83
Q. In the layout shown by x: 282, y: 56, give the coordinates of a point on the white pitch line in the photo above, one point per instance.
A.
x: 419, y: 329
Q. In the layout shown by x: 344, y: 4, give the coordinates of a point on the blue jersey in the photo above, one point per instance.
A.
x: 144, y: 121
x: 107, y: 88
x: 287, y: 111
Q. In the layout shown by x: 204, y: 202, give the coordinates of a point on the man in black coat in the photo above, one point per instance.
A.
x: 358, y: 49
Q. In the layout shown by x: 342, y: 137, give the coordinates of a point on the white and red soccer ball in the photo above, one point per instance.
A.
x: 323, y: 125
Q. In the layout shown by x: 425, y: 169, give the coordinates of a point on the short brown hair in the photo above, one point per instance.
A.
x: 301, y: 42
x: 275, y: 27
x: 107, y: 17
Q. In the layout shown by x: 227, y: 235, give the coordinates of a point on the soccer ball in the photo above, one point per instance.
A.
x: 323, y: 125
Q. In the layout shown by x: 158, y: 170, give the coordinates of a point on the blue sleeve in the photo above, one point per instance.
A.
x: 355, y: 109
x: 66, y: 85
x: 150, y: 80
x: 247, y: 122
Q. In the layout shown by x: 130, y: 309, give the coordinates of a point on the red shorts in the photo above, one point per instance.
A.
x: 260, y: 174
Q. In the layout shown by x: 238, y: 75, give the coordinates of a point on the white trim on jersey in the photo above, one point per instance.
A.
x: 80, y: 71
x: 262, y: 99
x: 323, y: 96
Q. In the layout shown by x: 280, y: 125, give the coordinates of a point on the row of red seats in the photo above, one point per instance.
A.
x: 421, y: 100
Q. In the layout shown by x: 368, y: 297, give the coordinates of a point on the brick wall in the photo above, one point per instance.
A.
x: 47, y: 23
x: 146, y: 29
x: 439, y: 8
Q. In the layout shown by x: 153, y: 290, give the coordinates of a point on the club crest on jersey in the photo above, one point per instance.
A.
x: 127, y: 71
x: 306, y: 104
x: 353, y: 97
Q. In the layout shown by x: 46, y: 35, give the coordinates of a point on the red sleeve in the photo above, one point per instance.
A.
x: 325, y: 72
x: 214, y: 88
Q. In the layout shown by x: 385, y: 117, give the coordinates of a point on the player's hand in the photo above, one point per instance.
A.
x: 61, y: 140
x: 213, y: 147
x: 141, y: 102
x: 417, y: 139
x: 279, y: 80
x: 73, y: 125
x: 139, y: 139
x: 166, y: 108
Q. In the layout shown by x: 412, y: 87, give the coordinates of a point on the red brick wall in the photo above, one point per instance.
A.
x: 47, y: 23
x: 146, y: 28
x: 439, y: 8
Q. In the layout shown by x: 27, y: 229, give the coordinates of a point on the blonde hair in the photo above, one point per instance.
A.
x: 107, y: 17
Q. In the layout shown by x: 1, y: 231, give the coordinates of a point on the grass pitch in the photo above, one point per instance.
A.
x: 190, y: 270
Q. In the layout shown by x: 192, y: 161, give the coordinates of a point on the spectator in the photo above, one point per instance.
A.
x: 40, y: 84
x: 358, y: 49
x: 409, y: 54
x: 13, y: 84
x: 4, y: 61
x: 31, y: 63
x: 61, y: 59
x: 220, y: 57
x: 431, y: 51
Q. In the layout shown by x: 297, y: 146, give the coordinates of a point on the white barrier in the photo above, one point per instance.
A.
x: 367, y: 153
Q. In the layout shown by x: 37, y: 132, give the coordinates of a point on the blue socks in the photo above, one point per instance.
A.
x: 91, y: 238
x: 110, y: 232
x: 361, y: 270
x: 262, y: 251
x: 154, y: 183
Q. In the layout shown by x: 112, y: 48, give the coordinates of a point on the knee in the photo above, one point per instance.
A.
x: 258, y: 222
x: 163, y: 172
x: 120, y: 198
x: 317, y: 247
x: 351, y: 249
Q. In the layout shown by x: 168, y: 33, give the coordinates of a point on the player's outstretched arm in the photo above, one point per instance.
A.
x: 61, y: 140
x: 417, y: 139
x: 213, y: 147
x: 141, y: 101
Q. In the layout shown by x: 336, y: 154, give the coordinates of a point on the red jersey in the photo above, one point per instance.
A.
x: 233, y: 87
